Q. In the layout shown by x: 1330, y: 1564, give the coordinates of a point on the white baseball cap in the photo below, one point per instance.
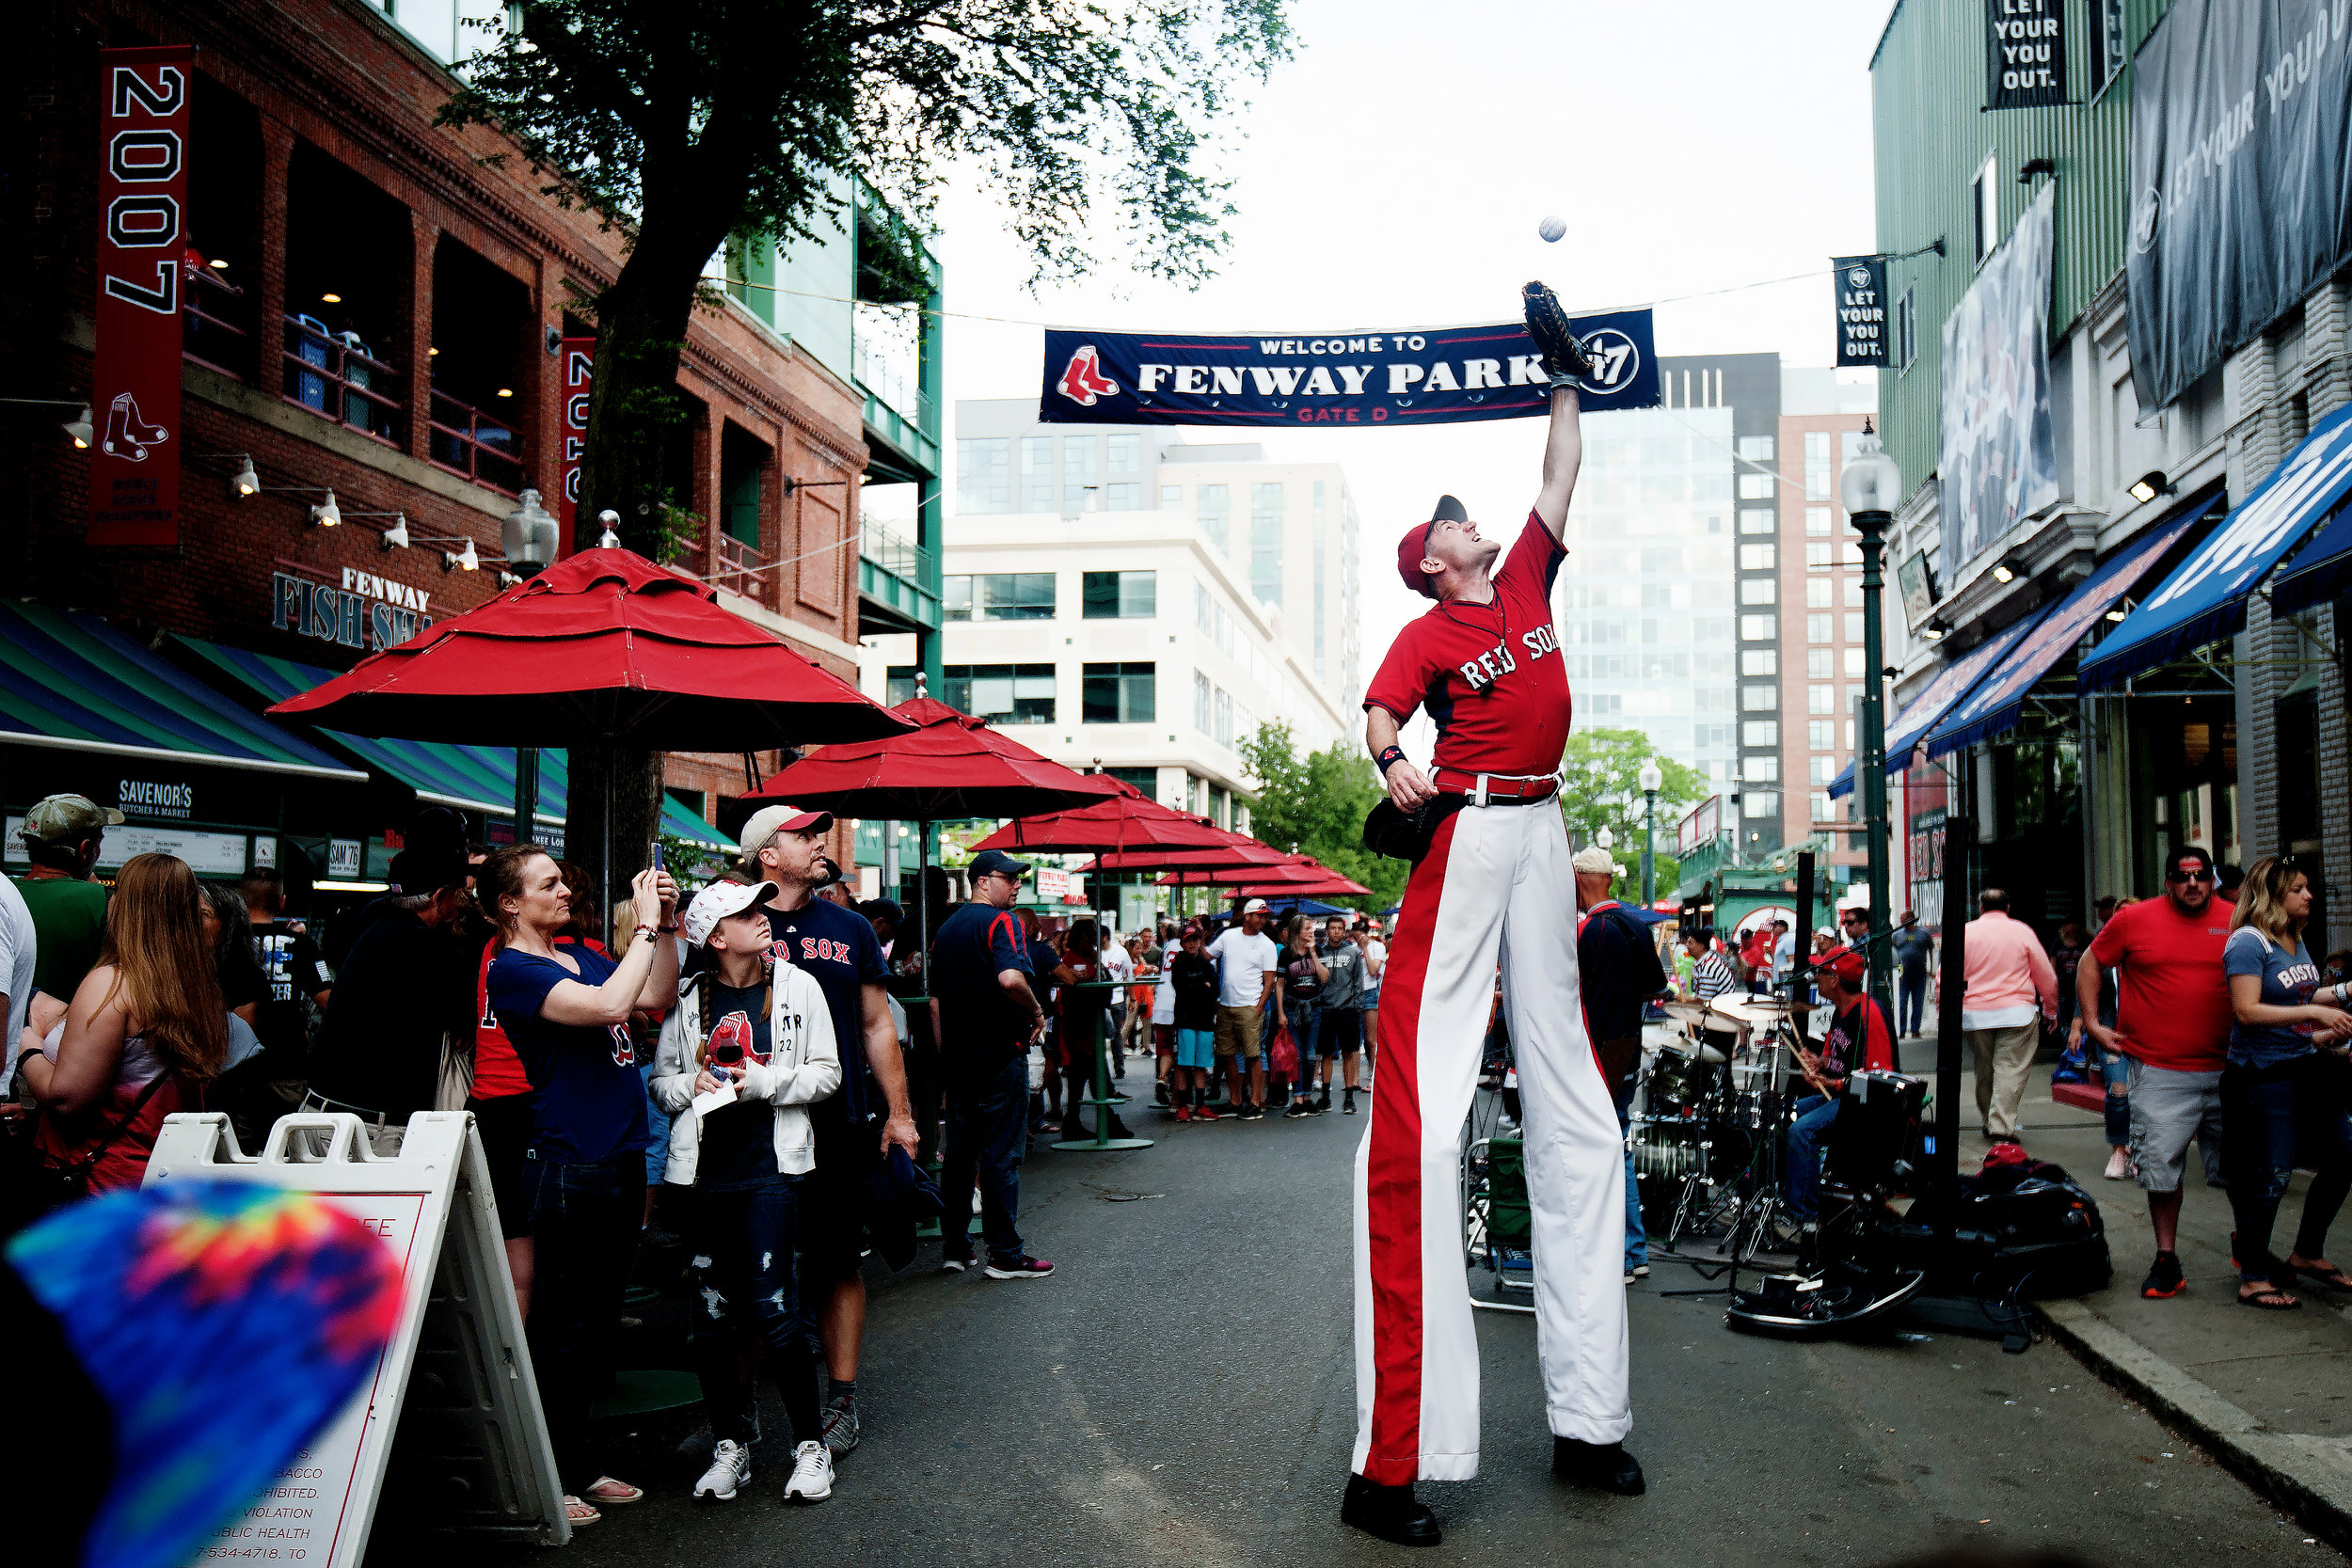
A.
x: 720, y: 900
x: 768, y: 821
x: 1594, y: 861
x: 1255, y: 906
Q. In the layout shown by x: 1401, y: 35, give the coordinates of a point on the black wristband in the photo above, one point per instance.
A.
x: 1389, y: 758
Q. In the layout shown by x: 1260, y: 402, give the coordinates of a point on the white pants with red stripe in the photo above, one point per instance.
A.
x: 1496, y: 885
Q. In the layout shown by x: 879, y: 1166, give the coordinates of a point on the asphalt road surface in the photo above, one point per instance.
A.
x: 1182, y: 1393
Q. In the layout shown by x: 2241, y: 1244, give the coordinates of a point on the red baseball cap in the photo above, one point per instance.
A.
x: 1414, y: 546
x: 1848, y: 965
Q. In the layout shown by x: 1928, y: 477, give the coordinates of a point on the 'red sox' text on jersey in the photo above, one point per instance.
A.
x: 1490, y: 675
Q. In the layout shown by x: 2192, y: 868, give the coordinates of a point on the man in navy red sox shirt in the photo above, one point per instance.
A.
x: 1495, y: 883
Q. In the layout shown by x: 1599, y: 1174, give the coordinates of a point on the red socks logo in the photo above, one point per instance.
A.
x: 127, y: 435
x: 1084, y: 381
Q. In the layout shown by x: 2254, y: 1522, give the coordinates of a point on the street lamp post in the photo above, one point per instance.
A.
x: 1651, y: 781
x: 1871, y: 488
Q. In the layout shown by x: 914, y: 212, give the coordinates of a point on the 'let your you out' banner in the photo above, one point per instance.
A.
x: 1421, y: 375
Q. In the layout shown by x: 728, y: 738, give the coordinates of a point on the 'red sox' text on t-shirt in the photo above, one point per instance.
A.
x: 2174, y: 1011
x: 1489, y: 675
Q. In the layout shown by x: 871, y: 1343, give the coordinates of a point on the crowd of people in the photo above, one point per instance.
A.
x: 728, y: 1069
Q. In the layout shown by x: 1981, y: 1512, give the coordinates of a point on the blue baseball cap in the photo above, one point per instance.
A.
x: 995, y: 862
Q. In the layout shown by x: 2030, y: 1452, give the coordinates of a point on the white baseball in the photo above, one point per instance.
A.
x: 1552, y: 228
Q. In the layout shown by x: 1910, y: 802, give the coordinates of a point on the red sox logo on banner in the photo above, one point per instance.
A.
x: 1084, y: 380
x: 142, y: 245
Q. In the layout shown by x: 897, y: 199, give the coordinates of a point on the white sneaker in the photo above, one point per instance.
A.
x: 730, y: 1467
x: 2119, y: 1166
x: 812, y: 1475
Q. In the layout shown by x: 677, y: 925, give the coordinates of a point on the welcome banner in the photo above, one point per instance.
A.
x: 1420, y: 375
x: 142, y: 245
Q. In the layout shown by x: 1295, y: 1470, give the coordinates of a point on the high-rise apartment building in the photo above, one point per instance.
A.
x: 1648, y: 606
x: 1824, y: 671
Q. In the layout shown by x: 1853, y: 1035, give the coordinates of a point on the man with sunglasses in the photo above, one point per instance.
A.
x: 2173, y: 1022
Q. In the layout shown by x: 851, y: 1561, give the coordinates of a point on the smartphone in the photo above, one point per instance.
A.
x: 656, y: 861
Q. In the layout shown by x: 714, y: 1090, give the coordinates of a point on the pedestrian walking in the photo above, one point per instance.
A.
x: 1483, y: 658
x: 1339, y: 1019
x: 566, y: 1008
x: 986, y: 1014
x: 744, y: 1052
x: 146, y: 1035
x: 63, y: 836
x: 1298, y: 1004
x: 2009, y: 990
x: 2113, y: 1067
x: 2173, y: 1017
x: 2283, y: 1102
x: 1618, y: 972
x: 1914, y: 951
x: 1248, y: 966
x: 871, y: 1114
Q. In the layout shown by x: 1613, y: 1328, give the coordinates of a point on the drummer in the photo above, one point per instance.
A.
x: 1858, y: 1039
x: 1711, y: 980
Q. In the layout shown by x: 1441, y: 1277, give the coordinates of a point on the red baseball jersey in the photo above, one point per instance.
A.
x: 1490, y: 674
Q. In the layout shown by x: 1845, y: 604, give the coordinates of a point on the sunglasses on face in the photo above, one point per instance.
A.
x: 2188, y: 876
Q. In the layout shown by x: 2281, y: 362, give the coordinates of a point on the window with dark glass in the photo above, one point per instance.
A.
x: 999, y: 596
x: 1120, y: 694
x: 1119, y: 595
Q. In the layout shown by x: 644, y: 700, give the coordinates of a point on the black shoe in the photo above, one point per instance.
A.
x: 1389, y: 1512
x: 1323, y: 1102
x: 1159, y: 1091
x: 1295, y: 1111
x: 2165, y: 1278
x: 1349, y: 1108
x: 1605, y: 1465
x: 1252, y: 1112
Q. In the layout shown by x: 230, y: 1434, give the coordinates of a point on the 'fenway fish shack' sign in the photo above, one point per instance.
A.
x: 366, y: 611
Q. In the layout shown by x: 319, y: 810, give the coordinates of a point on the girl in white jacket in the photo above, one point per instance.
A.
x: 747, y: 1049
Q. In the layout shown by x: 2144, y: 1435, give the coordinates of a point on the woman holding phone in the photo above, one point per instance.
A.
x: 748, y: 1048
x: 566, y: 1008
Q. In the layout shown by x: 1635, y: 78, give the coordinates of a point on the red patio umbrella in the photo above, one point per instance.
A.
x: 601, y: 646
x: 949, y: 766
x: 1128, y: 820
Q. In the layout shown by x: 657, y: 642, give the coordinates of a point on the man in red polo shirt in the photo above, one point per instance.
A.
x: 2173, y: 1022
x: 1495, y: 882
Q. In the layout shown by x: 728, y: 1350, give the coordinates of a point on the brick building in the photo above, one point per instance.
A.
x: 373, y: 308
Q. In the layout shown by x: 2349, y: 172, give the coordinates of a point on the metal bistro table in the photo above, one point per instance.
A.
x: 1102, y: 1100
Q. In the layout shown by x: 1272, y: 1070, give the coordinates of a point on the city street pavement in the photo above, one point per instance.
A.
x: 2269, y: 1392
x: 1182, y: 1392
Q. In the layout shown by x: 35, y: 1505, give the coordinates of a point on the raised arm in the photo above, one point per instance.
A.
x: 1564, y: 454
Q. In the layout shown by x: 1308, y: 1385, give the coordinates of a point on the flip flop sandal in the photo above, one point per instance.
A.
x: 2270, y: 1301
x: 604, y: 1489
x: 2334, y: 1278
x: 580, y: 1512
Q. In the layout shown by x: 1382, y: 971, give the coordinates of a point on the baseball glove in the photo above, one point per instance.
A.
x: 1563, y: 354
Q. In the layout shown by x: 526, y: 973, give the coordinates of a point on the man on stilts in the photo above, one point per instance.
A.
x: 1494, y: 883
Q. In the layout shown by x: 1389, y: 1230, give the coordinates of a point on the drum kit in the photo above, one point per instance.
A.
x: 1707, y: 1128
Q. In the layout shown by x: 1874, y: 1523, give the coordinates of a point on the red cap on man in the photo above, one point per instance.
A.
x: 1848, y: 964
x: 1414, y: 547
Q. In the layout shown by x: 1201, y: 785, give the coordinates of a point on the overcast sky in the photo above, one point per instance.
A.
x: 1394, y: 173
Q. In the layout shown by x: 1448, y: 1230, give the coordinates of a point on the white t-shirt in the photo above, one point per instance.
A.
x: 18, y: 948
x: 1116, y: 964
x: 1164, y: 1002
x: 1242, y: 962
x: 1375, y: 964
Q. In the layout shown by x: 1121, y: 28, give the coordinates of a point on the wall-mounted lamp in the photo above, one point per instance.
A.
x: 396, y: 536
x: 2148, y: 487
x: 79, y: 429
x: 245, y: 482
x: 327, y: 514
x: 464, y: 561
x: 1934, y: 631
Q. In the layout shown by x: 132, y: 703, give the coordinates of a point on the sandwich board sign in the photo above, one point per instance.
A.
x: 451, y: 1415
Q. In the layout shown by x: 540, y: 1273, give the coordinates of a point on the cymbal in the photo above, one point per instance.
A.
x: 1687, y: 1012
x: 1738, y: 1010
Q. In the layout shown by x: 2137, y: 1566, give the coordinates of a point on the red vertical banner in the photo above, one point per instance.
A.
x: 580, y: 369
x: 143, y: 100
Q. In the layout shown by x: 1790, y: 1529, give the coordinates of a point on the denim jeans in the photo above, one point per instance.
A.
x: 2273, y: 1119
x: 985, y: 1133
x: 1305, y: 1017
x: 1915, y: 1000
x: 585, y: 1223
x: 743, y: 1268
x: 1814, y: 1114
x: 1636, y: 1241
x: 2116, y: 1072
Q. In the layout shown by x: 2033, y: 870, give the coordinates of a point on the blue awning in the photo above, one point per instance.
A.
x: 2000, y: 697
x: 2205, y: 598
x: 2320, y: 570
x: 1952, y: 683
x: 70, y: 680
